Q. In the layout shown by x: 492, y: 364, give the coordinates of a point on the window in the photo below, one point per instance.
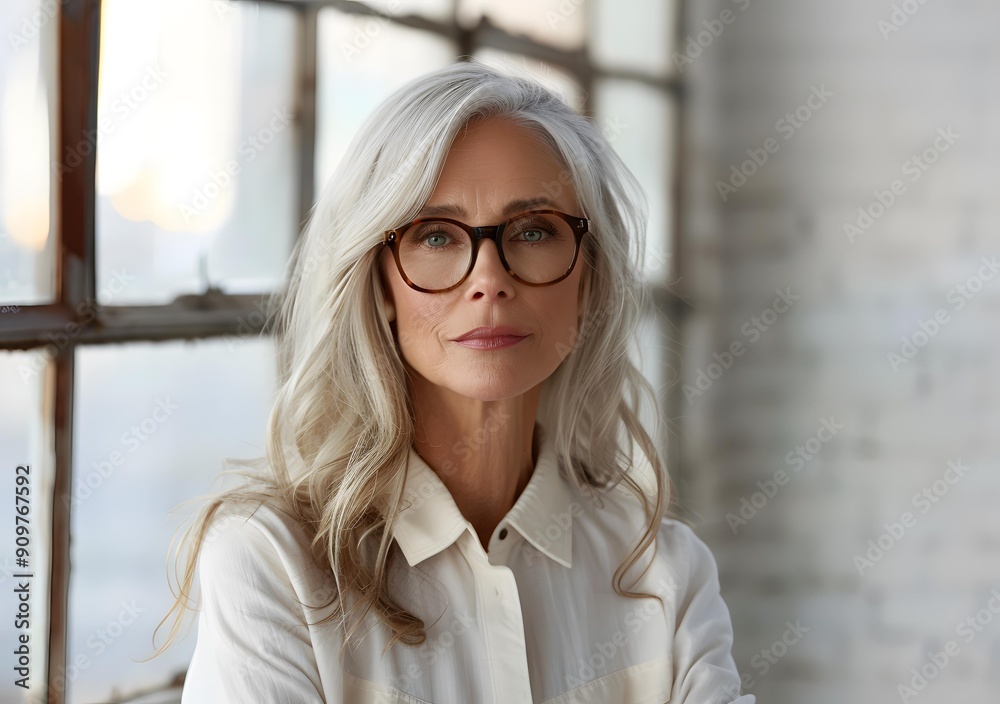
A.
x: 187, y: 141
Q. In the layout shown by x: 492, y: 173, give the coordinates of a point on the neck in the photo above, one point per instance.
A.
x: 483, y: 451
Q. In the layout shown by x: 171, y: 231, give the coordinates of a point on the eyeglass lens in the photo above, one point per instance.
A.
x: 538, y: 247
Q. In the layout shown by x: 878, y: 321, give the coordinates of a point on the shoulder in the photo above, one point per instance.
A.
x: 679, y: 541
x: 236, y: 527
x: 257, y: 543
x: 689, y: 561
x: 704, y: 669
x: 619, y: 514
x: 255, y: 632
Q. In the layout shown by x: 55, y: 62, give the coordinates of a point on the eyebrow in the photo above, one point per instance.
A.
x: 514, y: 206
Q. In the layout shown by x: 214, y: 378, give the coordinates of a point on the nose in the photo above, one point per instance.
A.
x: 493, y: 256
x: 489, y: 270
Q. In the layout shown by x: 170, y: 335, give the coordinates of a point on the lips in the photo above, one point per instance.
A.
x: 501, y: 331
x: 491, y: 343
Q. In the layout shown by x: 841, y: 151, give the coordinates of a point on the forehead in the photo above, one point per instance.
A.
x: 494, y: 162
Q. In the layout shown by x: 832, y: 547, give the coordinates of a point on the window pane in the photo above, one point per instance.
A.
x: 196, y: 172
x: 639, y: 123
x: 153, y: 424
x: 26, y: 440
x: 548, y: 75
x: 361, y: 61
x: 640, y: 38
x: 27, y: 88
x: 556, y: 22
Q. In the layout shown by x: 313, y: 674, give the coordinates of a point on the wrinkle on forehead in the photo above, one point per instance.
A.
x: 495, y: 160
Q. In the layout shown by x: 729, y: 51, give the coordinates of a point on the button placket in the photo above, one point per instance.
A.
x: 504, y: 632
x: 507, y: 631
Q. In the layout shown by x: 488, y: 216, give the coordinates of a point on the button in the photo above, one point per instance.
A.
x: 503, y: 533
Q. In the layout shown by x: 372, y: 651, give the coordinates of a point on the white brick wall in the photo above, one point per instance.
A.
x: 826, y: 356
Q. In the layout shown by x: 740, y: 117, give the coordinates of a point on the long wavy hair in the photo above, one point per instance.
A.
x: 341, y: 427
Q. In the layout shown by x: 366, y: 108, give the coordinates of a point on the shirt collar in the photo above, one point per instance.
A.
x: 430, y: 521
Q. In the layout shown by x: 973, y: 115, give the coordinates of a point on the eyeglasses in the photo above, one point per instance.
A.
x: 537, y: 248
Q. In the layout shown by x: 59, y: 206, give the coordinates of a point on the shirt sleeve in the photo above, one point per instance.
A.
x: 253, y: 644
x: 704, y: 669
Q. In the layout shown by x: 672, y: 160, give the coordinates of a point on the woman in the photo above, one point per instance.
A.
x: 452, y: 495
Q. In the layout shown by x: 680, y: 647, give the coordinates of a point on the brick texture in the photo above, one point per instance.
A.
x: 914, y: 98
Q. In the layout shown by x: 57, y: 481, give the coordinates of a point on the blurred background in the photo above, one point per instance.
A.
x: 823, y: 250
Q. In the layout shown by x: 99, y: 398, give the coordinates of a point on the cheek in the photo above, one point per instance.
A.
x: 567, y: 319
x: 561, y: 323
x: 422, y: 325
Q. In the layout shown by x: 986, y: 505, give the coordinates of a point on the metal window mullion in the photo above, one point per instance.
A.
x: 679, y: 308
x: 575, y: 61
x: 305, y: 99
x: 62, y: 402
x: 679, y: 97
x: 348, y: 7
x: 665, y: 83
x: 199, y: 316
x: 484, y: 34
x: 79, y: 36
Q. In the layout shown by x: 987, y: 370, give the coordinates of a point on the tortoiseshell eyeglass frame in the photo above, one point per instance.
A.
x: 580, y: 226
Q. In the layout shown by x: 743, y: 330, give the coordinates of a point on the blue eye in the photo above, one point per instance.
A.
x: 427, y: 238
x: 534, y: 232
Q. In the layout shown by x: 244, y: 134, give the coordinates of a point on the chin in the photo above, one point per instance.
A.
x: 495, y: 390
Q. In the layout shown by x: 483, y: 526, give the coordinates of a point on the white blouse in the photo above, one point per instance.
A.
x: 533, y: 619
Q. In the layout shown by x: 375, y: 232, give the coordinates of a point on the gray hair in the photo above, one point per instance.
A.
x: 341, y: 427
